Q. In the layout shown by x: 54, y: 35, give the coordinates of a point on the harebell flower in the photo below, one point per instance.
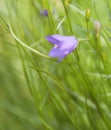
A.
x: 63, y: 45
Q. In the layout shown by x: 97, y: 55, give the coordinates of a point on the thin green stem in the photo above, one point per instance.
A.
x: 24, y: 45
x: 68, y: 18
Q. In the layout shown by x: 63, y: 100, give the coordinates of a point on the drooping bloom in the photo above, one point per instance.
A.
x: 63, y: 45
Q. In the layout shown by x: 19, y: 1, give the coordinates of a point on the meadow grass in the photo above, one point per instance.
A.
x: 37, y: 92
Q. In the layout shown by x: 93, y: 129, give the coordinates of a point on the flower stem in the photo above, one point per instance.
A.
x: 24, y: 45
x: 67, y: 15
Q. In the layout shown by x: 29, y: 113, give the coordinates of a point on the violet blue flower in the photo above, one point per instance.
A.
x: 44, y: 12
x: 63, y: 45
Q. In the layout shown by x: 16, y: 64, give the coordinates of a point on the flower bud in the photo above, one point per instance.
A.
x: 97, y: 28
x: 68, y: 1
x: 44, y: 12
x: 88, y: 12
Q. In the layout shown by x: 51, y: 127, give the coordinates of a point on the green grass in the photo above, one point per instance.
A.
x: 37, y: 92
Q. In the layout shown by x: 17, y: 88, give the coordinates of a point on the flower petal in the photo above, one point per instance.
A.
x: 61, y: 57
x: 55, y: 52
x: 53, y: 39
x: 69, y: 50
x: 69, y: 42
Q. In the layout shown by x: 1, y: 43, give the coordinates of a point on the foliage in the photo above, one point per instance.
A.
x: 37, y: 92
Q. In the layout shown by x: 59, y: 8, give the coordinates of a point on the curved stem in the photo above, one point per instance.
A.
x: 24, y: 45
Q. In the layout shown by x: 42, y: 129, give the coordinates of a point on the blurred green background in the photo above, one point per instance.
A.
x: 37, y: 93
